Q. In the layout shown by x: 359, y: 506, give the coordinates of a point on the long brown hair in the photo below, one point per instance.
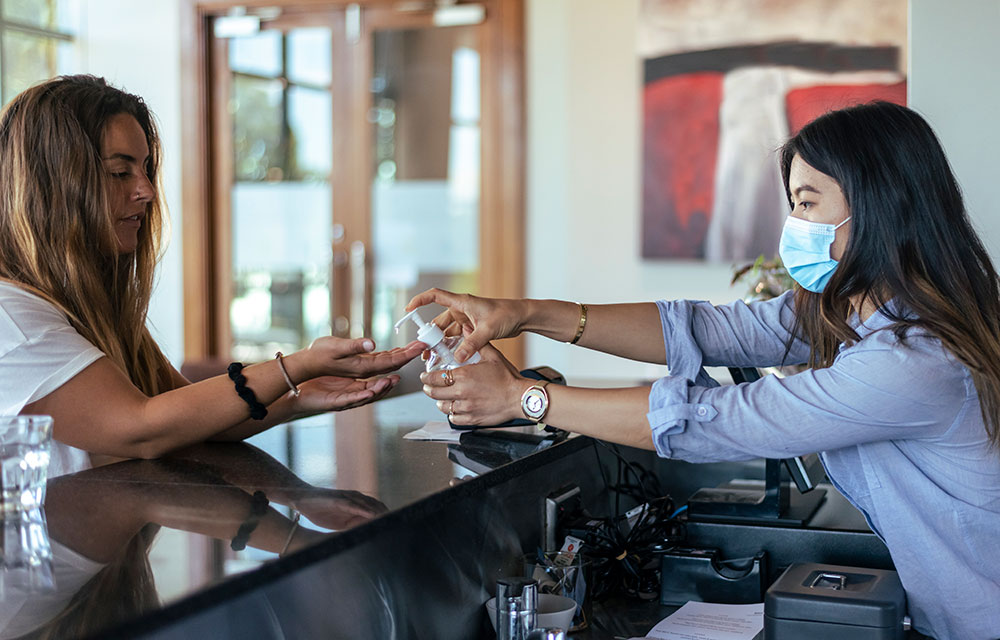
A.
x: 57, y: 235
x: 911, y: 241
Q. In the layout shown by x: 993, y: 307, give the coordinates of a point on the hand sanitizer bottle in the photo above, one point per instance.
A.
x: 442, y: 348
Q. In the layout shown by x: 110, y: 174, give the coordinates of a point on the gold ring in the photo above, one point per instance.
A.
x: 451, y: 408
x: 448, y: 377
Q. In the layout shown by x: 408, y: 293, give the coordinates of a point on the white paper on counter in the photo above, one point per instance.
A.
x: 707, y: 621
x: 435, y: 431
x: 438, y: 431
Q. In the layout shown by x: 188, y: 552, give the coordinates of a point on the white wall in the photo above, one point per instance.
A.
x: 955, y: 84
x: 136, y: 46
x: 584, y: 87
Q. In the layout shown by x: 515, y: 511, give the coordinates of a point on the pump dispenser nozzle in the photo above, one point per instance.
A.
x: 441, y: 348
x: 427, y: 332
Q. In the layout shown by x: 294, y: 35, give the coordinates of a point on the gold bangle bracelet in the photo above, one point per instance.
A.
x: 583, y: 323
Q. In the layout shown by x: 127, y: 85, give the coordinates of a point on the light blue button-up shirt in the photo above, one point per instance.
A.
x: 900, y: 431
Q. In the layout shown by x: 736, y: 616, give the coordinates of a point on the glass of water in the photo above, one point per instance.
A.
x: 25, y: 442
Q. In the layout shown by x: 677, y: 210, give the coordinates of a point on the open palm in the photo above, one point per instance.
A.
x: 333, y: 393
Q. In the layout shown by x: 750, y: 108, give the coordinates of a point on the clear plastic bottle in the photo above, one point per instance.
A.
x: 442, y: 348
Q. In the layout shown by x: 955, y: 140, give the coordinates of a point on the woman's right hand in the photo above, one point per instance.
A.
x: 480, y: 319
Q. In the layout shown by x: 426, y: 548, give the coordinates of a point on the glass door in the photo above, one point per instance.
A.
x: 338, y: 215
x: 280, y: 200
x: 356, y: 155
x: 424, y: 176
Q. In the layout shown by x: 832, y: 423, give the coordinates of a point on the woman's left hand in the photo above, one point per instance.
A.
x: 482, y: 394
x: 332, y: 393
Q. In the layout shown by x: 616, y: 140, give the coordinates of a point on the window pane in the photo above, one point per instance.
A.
x: 29, y: 59
x: 258, y: 54
x: 38, y: 13
x: 425, y: 188
x: 465, y: 85
x: 310, y: 118
x: 281, y: 267
x: 54, y: 15
x: 256, y: 109
x: 309, y: 56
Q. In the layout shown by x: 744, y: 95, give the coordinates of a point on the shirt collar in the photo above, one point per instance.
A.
x: 878, y: 320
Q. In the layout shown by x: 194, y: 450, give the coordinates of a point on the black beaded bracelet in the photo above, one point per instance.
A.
x: 257, y: 410
x: 258, y: 507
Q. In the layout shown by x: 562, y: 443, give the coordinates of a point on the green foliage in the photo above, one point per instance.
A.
x: 764, y: 279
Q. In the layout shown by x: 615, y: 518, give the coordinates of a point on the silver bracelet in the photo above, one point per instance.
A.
x: 291, y: 534
x: 281, y: 365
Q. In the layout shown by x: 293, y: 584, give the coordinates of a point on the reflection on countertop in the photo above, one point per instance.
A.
x: 130, y: 537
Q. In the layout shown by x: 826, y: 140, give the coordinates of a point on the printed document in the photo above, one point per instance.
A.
x: 706, y: 621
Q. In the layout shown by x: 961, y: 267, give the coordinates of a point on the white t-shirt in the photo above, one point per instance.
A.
x: 39, y: 352
x: 23, y: 609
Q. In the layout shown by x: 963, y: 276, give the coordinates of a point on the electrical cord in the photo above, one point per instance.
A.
x: 626, y: 559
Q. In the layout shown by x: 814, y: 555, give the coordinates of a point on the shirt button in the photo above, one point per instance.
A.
x: 702, y: 411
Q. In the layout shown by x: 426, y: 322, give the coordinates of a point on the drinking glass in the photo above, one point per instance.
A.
x: 25, y: 443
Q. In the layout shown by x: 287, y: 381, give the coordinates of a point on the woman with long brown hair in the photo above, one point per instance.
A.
x: 81, y: 214
x: 898, y: 314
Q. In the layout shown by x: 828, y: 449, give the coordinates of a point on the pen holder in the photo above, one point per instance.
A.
x: 571, y: 580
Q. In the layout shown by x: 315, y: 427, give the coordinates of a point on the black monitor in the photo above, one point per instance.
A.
x: 772, y: 503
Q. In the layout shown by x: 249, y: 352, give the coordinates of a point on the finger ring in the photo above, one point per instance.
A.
x: 448, y: 377
x: 451, y: 409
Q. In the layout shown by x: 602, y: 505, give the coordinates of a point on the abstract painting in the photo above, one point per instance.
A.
x: 726, y: 82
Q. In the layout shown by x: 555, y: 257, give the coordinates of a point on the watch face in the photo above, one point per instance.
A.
x: 534, y: 403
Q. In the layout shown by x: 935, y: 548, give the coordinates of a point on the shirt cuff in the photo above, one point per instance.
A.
x: 670, y: 411
x: 684, y: 356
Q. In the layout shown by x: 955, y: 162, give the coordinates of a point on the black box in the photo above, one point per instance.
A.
x: 703, y: 575
x: 828, y: 602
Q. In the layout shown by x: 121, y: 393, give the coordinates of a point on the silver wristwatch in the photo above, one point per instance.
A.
x: 535, y: 402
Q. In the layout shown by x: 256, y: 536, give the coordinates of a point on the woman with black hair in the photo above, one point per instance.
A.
x: 898, y: 314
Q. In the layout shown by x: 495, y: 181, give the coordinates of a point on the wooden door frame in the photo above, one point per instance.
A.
x: 206, y: 252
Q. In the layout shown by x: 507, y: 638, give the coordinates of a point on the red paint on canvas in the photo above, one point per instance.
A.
x: 681, y: 116
x: 806, y: 104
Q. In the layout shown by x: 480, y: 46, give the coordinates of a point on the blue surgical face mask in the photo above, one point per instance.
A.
x: 805, y: 251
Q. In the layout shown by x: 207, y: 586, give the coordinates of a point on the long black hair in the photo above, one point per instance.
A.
x: 910, y: 240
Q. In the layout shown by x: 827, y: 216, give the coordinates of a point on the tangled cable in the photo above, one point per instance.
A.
x: 624, y: 548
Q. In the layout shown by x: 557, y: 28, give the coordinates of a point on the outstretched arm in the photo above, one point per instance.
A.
x: 627, y: 330
x: 327, y: 393
x: 489, y: 393
x: 101, y: 411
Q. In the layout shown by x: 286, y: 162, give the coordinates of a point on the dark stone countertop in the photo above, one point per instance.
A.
x: 143, y: 548
x: 157, y: 534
